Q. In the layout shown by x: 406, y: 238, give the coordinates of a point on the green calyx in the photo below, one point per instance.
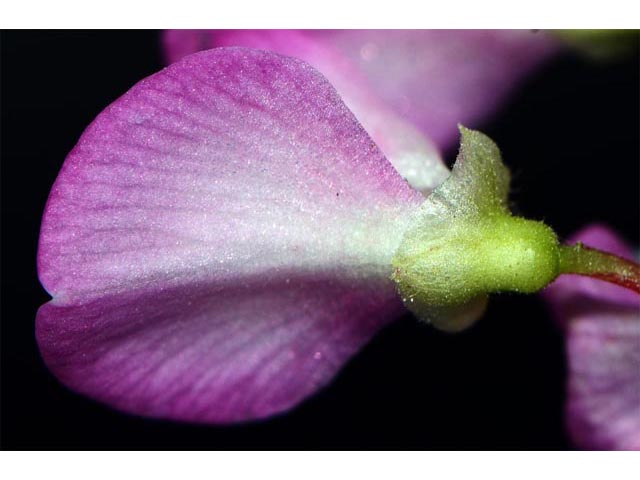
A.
x: 463, y: 243
x: 473, y: 258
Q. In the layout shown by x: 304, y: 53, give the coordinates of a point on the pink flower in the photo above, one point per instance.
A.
x: 602, y: 325
x: 219, y: 242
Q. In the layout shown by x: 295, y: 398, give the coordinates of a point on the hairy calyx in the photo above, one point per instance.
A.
x: 464, y: 244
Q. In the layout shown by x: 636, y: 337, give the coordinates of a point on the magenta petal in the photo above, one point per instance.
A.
x: 219, y: 241
x: 216, y: 352
x: 434, y: 78
x: 602, y: 323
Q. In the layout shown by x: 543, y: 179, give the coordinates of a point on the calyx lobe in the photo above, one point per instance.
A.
x: 463, y: 243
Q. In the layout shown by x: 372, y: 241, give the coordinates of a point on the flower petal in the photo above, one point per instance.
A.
x: 602, y: 323
x: 221, y: 214
x: 412, y: 154
x: 217, y: 352
x: 434, y: 78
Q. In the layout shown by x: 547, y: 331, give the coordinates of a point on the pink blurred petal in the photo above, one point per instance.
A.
x: 602, y: 323
x: 218, y: 242
x: 439, y: 78
x: 434, y: 78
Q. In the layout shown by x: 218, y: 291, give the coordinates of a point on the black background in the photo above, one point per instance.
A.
x: 570, y: 136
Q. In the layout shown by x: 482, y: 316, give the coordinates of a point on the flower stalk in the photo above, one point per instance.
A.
x: 582, y: 260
